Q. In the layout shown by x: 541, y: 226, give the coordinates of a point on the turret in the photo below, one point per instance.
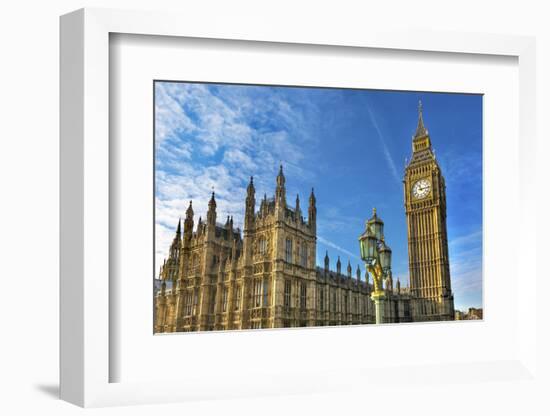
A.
x: 263, y: 205
x: 229, y: 227
x: 199, y: 226
x: 211, y: 215
x: 250, y: 206
x: 171, y: 265
x: 176, y: 242
x: 327, y: 263
x: 188, y: 224
x: 280, y: 191
x: 298, y: 210
x: 338, y: 266
x: 312, y: 212
x: 358, y: 273
x: 349, y: 269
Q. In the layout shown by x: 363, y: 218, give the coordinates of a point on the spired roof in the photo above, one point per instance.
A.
x: 421, y: 130
x: 375, y: 218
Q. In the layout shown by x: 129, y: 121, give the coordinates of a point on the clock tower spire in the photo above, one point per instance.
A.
x: 426, y: 212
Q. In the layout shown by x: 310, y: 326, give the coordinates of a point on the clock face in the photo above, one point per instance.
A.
x: 421, y: 189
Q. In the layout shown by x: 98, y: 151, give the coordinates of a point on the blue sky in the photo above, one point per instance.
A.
x: 350, y: 145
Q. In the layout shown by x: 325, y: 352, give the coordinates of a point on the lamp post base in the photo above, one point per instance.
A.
x: 379, y: 297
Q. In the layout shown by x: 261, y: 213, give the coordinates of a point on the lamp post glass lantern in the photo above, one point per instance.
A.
x: 377, y: 256
x: 385, y: 257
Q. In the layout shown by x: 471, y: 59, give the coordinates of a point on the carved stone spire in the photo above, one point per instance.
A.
x: 188, y: 224
x: 338, y: 266
x: 189, y: 212
x: 280, y: 191
x: 327, y: 262
x: 250, y: 189
x: 199, y: 226
x: 312, y: 212
x: 349, y: 268
x: 211, y: 215
x: 250, y: 205
x: 178, y: 230
x: 421, y: 131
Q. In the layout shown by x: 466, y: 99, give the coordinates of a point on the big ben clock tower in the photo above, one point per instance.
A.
x: 426, y: 211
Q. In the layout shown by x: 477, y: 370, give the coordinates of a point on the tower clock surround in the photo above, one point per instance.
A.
x: 426, y: 213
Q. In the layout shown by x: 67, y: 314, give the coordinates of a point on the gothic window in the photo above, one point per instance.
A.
x: 238, y: 298
x: 212, y: 306
x: 188, y: 303
x: 224, y: 300
x: 303, y: 296
x: 407, y: 309
x: 288, y: 289
x: 333, y: 306
x: 288, y: 250
x: 256, y: 325
x: 257, y: 300
x: 355, y: 308
x: 262, y: 245
x: 195, y: 302
x: 303, y: 255
x: 345, y: 303
x: 265, y: 292
x: 322, y: 300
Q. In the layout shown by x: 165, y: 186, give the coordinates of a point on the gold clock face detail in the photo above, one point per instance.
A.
x: 421, y: 189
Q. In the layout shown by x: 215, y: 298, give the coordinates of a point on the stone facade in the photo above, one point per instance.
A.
x: 217, y: 278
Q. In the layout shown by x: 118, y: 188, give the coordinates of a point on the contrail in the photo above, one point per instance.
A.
x: 385, y: 149
x: 336, y: 247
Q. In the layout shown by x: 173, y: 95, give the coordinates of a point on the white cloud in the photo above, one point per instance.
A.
x: 209, y: 137
x: 465, y: 252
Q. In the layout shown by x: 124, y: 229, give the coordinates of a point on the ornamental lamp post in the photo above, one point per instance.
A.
x: 377, y: 257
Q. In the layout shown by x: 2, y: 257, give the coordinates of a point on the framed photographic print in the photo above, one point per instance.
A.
x: 281, y: 213
x: 263, y: 265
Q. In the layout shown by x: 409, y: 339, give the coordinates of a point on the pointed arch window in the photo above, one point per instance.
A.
x: 303, y: 254
x: 224, y: 299
x: 237, y: 303
x: 303, y: 296
x: 288, y: 250
x: 262, y: 245
x: 257, y: 298
x: 287, y: 297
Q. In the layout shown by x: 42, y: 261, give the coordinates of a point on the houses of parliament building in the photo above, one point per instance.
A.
x: 215, y: 278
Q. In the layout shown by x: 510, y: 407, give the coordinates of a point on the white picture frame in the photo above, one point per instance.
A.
x: 85, y: 213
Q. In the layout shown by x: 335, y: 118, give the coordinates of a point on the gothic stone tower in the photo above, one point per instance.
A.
x: 426, y: 212
x: 281, y: 245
